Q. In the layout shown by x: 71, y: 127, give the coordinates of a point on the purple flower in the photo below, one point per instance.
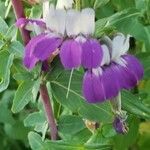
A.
x: 22, y: 22
x: 79, y: 25
x: 39, y: 48
x: 49, y: 37
x: 117, y: 71
x: 99, y: 85
x: 120, y: 125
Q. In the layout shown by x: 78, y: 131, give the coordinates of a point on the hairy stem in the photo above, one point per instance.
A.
x: 19, y: 13
x: 48, y: 111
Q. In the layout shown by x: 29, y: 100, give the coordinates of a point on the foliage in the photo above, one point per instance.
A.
x: 23, y: 124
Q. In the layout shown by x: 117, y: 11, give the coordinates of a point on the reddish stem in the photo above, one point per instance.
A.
x: 19, y: 13
x: 49, y: 111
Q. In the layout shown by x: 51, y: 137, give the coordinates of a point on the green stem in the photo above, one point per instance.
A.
x: 78, y: 4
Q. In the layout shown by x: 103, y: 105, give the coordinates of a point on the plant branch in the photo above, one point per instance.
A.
x: 48, y: 111
x: 19, y: 13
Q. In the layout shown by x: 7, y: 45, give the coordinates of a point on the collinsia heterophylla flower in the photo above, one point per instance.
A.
x: 109, y: 67
x: 117, y: 71
x: 80, y: 48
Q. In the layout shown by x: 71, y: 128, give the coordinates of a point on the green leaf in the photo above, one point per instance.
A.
x: 17, y: 48
x: 16, y: 131
x: 34, y: 119
x: 100, y: 112
x: 75, y: 100
x: 5, y: 115
x: 100, y: 3
x: 70, y: 124
x: 60, y: 86
x: 118, y: 17
x: 134, y: 105
x: 23, y: 95
x: 120, y: 5
x: 3, y: 26
x: 97, y: 141
x: 35, y: 141
x: 6, y: 61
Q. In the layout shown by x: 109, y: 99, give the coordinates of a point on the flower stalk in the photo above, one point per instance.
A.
x: 48, y: 110
x: 19, y: 13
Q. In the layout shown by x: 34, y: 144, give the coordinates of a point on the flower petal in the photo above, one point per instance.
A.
x: 92, y: 87
x: 87, y: 21
x: 91, y: 54
x: 126, y: 78
x: 106, y: 55
x: 56, y: 20
x: 73, y: 22
x: 22, y: 22
x: 70, y: 54
x: 110, y: 83
x: 46, y: 46
x: 29, y: 59
x: 120, y: 45
x: 134, y: 65
x: 64, y: 4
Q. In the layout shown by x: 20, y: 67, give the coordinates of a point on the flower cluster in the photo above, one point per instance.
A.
x: 108, y: 68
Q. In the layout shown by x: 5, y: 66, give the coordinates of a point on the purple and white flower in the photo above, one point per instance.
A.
x: 42, y: 46
x: 79, y: 28
x: 119, y: 70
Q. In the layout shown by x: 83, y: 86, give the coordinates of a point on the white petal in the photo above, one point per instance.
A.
x: 45, y: 9
x: 64, y: 4
x: 126, y: 44
x: 106, y: 55
x: 37, y: 29
x: 120, y: 45
x: 61, y: 20
x: 73, y: 22
x: 87, y: 24
x: 56, y: 19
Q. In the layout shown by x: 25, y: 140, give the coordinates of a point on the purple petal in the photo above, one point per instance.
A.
x: 93, y: 90
x: 134, y: 65
x: 70, y: 54
x: 91, y: 54
x: 110, y: 83
x: 46, y: 46
x: 21, y: 22
x: 29, y: 59
x: 126, y: 78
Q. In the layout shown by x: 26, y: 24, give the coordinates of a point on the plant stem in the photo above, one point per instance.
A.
x: 19, y: 13
x: 48, y: 111
x: 78, y: 4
